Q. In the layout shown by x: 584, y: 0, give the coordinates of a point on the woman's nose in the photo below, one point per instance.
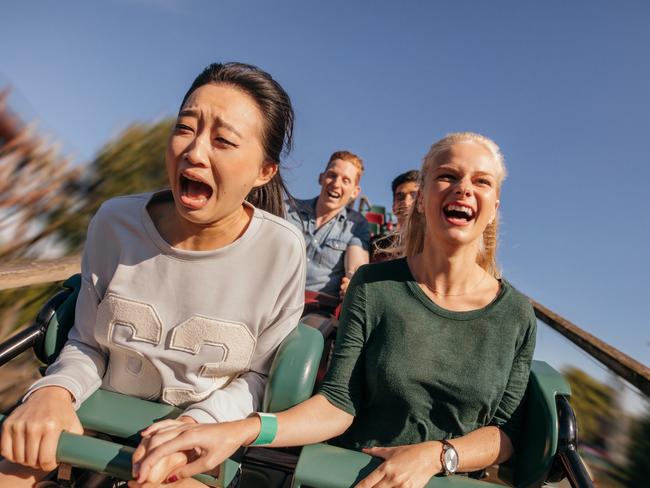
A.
x: 463, y: 188
x: 196, y: 153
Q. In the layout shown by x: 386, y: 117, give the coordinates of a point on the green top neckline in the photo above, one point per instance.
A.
x: 452, y: 314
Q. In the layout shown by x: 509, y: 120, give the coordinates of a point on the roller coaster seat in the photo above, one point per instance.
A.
x: 291, y: 380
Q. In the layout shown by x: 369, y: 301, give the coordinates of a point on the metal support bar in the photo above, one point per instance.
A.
x: 19, y: 343
x: 16, y: 275
x: 572, y: 465
x: 623, y: 365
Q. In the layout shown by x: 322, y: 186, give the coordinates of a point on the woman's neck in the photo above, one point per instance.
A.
x: 183, y: 234
x: 447, y: 271
x: 452, y: 279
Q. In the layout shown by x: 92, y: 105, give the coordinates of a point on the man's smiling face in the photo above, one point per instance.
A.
x: 339, y: 184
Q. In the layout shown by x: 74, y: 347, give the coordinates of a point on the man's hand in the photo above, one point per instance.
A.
x: 345, y: 281
x: 355, y: 256
x: 31, y: 433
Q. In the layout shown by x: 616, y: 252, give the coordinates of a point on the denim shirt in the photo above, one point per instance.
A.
x: 326, y: 246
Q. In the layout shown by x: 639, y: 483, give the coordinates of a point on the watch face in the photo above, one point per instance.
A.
x: 451, y: 459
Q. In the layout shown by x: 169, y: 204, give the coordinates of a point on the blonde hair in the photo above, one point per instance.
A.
x: 412, y: 238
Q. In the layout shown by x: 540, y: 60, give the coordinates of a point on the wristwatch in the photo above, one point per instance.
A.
x: 448, y: 458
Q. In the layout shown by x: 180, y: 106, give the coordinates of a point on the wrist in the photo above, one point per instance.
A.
x: 186, y: 419
x: 52, y: 393
x: 434, y: 457
x: 251, y: 428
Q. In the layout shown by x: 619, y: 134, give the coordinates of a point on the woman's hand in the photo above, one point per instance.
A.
x: 162, y: 472
x: 31, y: 433
x: 205, y: 446
x: 169, y: 463
x: 404, y: 466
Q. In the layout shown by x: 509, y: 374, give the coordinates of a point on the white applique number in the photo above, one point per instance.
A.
x: 123, y: 321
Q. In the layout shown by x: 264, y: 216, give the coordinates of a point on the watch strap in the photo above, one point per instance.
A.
x: 268, y: 429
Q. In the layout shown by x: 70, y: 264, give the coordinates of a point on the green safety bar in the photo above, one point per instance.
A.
x: 121, y: 415
x: 325, y: 466
x: 111, y: 458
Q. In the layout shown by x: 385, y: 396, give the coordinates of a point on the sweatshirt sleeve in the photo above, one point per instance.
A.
x: 244, y: 394
x: 82, y: 361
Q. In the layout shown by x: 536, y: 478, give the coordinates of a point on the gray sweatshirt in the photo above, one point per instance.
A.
x: 195, y: 329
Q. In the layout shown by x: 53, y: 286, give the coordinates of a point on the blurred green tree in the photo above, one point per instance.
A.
x: 53, y: 216
x: 131, y: 163
x: 638, y: 468
x: 594, y: 404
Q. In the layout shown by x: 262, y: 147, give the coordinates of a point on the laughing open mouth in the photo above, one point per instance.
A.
x: 455, y: 211
x: 194, y: 192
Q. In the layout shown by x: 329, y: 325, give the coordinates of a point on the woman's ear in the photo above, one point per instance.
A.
x: 419, y: 203
x: 496, y: 209
x: 266, y: 173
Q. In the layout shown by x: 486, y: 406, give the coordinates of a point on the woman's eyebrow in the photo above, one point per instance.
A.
x: 191, y: 112
x: 483, y: 173
x: 445, y: 167
x: 228, y: 126
x: 188, y: 112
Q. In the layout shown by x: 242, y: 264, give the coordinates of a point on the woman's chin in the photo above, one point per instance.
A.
x: 195, y: 214
x: 457, y: 236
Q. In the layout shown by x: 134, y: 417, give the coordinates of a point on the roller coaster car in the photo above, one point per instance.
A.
x: 548, y: 451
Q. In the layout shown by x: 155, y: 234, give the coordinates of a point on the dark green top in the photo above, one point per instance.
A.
x: 411, y: 371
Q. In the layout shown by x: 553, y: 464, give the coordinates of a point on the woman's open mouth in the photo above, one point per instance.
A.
x: 195, y: 193
x: 458, y: 214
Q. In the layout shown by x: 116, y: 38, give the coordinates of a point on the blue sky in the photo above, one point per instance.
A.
x: 563, y: 88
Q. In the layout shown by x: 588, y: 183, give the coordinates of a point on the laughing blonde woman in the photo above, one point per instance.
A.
x: 433, y: 352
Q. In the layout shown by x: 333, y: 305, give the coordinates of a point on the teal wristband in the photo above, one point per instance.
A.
x: 268, y: 429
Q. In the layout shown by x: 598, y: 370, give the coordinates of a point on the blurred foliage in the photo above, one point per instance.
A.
x: 53, y: 217
x: 131, y: 163
x: 594, y: 404
x: 19, y: 306
x: 34, y: 180
x: 638, y: 469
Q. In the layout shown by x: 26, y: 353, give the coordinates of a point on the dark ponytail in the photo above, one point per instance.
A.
x: 270, y: 197
x: 277, y: 137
